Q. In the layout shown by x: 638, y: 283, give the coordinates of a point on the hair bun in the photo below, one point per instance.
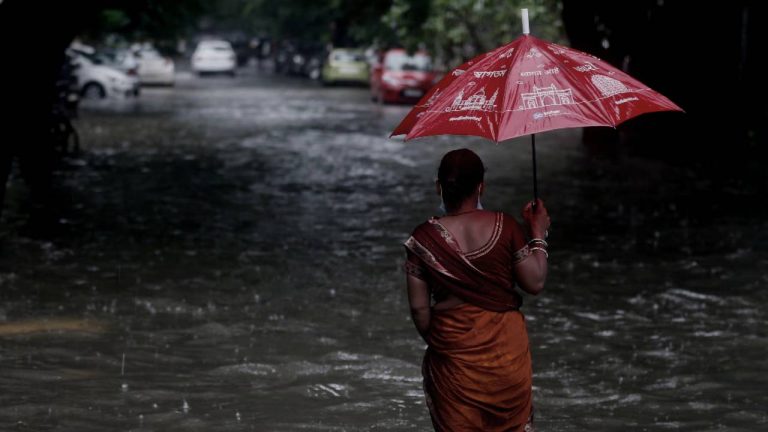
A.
x: 460, y: 172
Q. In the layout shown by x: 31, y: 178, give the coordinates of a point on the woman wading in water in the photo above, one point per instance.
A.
x: 462, y: 269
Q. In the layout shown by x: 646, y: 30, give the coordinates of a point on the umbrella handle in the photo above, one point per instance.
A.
x: 535, y: 179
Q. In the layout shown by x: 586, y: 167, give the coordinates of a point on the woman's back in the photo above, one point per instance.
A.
x: 471, y: 230
x: 491, y: 241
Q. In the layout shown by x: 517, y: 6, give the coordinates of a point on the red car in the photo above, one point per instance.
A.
x: 400, y: 77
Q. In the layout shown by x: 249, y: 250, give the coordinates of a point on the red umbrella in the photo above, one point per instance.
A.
x: 529, y: 86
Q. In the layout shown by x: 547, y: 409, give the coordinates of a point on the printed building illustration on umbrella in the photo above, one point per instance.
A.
x: 546, y: 96
x: 477, y: 101
x: 608, y: 86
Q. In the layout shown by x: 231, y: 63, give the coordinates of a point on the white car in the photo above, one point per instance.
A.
x: 214, y: 56
x: 154, y: 69
x: 98, y: 81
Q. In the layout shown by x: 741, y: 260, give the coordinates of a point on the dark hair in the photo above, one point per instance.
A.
x: 460, y: 172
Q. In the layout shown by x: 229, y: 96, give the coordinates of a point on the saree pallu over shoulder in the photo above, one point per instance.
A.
x: 449, y: 268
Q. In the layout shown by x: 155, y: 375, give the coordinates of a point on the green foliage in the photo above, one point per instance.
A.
x: 455, y: 30
x: 144, y: 19
x: 342, y: 22
x: 114, y: 19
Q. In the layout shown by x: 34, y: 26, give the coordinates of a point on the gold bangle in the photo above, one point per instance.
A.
x: 546, y: 254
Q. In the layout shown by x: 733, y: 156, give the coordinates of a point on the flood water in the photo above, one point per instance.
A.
x: 228, y: 258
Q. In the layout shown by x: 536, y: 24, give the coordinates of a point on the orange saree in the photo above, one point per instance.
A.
x: 477, y: 368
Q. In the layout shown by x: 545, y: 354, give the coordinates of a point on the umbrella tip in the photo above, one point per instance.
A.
x: 526, y: 26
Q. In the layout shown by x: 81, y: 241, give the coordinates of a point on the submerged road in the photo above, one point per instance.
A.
x: 228, y: 258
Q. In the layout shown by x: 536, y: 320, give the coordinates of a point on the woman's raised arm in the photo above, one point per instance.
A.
x: 531, y: 272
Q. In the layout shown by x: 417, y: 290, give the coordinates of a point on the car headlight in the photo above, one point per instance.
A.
x: 390, y: 80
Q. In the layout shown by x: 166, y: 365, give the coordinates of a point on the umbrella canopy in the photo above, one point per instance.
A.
x: 529, y: 86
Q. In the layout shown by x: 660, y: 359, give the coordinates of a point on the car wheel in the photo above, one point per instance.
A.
x: 94, y: 91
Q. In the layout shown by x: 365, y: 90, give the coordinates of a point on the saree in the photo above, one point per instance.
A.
x: 477, y: 367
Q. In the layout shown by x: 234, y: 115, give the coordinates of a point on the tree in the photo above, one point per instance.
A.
x: 456, y: 30
x: 340, y: 22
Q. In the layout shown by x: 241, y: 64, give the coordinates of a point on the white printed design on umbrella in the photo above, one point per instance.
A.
x: 533, y: 52
x: 546, y: 96
x: 476, y: 102
x: 586, y: 67
x: 557, y: 49
x: 507, y: 54
x: 490, y: 74
x: 432, y: 98
x: 609, y: 86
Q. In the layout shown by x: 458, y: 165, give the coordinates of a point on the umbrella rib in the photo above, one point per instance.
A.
x: 567, y: 71
x: 513, y: 59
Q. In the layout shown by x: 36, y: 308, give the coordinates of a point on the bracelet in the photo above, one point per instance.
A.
x: 535, y: 248
x: 539, y: 241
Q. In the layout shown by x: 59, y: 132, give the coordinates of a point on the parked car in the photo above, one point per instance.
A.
x: 98, y: 80
x: 155, y: 69
x: 122, y: 59
x: 300, y: 59
x: 314, y: 65
x: 401, y: 77
x: 345, y: 66
x: 214, y: 56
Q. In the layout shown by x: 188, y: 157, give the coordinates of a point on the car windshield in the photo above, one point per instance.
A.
x: 89, y: 57
x: 404, y: 62
x: 218, y: 47
x: 149, y: 54
x: 347, y: 57
x: 101, y: 58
